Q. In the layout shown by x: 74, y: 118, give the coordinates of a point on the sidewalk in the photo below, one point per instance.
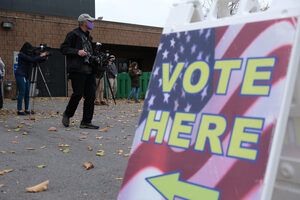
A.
x: 36, y: 154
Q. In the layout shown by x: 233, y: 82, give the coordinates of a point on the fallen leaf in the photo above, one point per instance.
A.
x: 84, y: 133
x: 2, y: 172
x: 30, y: 148
x: 31, y: 118
x: 118, y: 179
x: 43, y: 147
x: 88, y: 165
x: 3, y: 152
x: 82, y: 138
x: 66, y: 145
x: 66, y: 151
x: 90, y: 148
x: 52, y: 129
x: 100, y: 153
x: 105, y: 129
x: 119, y: 151
x: 12, y: 152
x: 24, y: 133
x: 38, y: 188
x: 99, y: 137
x: 41, y: 166
x: 1, y: 185
x: 126, y: 155
x: 8, y: 170
x: 14, y: 142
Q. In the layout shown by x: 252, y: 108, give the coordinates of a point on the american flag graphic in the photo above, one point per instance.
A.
x: 236, y: 179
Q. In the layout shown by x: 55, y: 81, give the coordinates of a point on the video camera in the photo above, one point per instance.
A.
x: 41, y: 49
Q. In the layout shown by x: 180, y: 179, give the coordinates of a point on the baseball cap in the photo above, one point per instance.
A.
x: 85, y: 17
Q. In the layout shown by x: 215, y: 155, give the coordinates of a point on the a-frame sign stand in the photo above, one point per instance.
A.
x: 218, y: 102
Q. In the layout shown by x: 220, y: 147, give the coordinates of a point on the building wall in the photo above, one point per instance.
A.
x: 52, y: 30
x: 65, y: 8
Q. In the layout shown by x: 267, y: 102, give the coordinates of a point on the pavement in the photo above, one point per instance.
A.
x: 37, y: 148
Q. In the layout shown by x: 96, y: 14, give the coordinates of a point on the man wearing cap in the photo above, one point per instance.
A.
x: 78, y: 47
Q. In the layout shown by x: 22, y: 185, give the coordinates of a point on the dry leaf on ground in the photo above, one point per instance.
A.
x: 90, y: 148
x: 52, y: 129
x: 100, y: 153
x: 82, y: 138
x: 31, y: 118
x: 105, y: 129
x: 66, y: 151
x: 88, y: 165
x: 119, y: 151
x: 30, y: 148
x: 41, y: 166
x: 38, y: 188
x: 6, y: 171
x: 84, y: 133
x: 1, y: 185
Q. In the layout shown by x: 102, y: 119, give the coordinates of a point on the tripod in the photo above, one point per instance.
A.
x: 33, y: 84
x: 107, y: 85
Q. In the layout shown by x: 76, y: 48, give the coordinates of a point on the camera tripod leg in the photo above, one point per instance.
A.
x: 33, y: 82
x: 109, y: 86
x: 44, y: 81
x: 106, y: 90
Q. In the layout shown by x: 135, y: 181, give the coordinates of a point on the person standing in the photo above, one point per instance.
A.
x: 112, y: 75
x: 25, y: 61
x: 78, y: 48
x: 134, y: 73
x: 2, y: 73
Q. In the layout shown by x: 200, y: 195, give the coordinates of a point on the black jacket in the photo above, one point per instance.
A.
x: 70, y: 48
x: 134, y: 77
x: 25, y: 64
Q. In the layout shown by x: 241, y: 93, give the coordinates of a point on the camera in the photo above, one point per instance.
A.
x: 41, y: 49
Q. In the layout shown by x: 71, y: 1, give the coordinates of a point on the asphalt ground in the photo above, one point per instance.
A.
x: 35, y: 154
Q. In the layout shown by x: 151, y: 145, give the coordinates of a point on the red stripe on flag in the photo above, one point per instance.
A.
x: 219, y: 34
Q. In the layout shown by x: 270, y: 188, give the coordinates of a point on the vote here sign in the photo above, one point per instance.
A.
x: 210, y: 113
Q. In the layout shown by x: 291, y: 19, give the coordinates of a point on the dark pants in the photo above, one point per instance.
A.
x: 84, y: 85
x: 23, y: 92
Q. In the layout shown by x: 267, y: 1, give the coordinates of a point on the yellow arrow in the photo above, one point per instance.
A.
x: 169, y: 186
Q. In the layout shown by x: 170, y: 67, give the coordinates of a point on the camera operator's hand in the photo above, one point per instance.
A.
x: 43, y: 54
x: 82, y: 53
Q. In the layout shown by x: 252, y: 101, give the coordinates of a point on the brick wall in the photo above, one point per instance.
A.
x: 52, y: 30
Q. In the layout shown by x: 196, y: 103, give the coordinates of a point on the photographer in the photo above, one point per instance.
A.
x: 112, y: 75
x: 134, y: 73
x: 2, y: 73
x: 78, y: 48
x: 25, y: 61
